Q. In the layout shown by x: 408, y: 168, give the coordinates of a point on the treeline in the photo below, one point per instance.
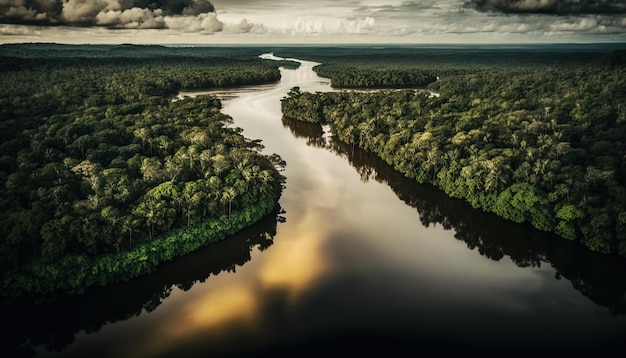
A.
x: 441, y: 58
x: 418, y: 66
x: 75, y: 272
x: 97, y: 160
x: 353, y: 77
x: 129, y: 78
x: 543, y: 145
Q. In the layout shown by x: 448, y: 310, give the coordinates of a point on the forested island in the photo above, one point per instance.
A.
x: 105, y: 174
x: 533, y: 136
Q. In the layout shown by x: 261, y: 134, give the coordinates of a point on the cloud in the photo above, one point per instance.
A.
x: 597, y: 24
x: 106, y: 13
x: 28, y: 11
x: 196, y: 7
x: 326, y: 26
x: 359, y: 25
x: 584, y: 24
x: 245, y: 27
x: 204, y: 23
x: 135, y: 18
x: 556, y: 7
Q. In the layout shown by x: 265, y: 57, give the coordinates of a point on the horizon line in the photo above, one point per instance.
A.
x: 361, y: 44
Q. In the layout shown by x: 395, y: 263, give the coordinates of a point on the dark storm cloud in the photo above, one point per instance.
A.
x: 107, y: 13
x: 555, y: 7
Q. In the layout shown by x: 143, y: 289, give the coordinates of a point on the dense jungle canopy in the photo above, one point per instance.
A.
x: 105, y: 173
x: 535, y: 136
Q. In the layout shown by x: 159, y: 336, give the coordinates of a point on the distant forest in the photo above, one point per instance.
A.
x: 105, y: 173
x: 532, y: 134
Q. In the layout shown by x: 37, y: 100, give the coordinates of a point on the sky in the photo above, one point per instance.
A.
x: 312, y: 22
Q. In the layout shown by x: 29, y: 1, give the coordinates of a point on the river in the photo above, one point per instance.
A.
x: 359, y: 260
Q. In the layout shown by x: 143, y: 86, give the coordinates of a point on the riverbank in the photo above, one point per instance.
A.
x: 97, y: 159
x: 76, y: 273
x: 497, y: 148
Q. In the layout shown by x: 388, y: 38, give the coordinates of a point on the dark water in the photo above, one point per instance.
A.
x: 362, y: 260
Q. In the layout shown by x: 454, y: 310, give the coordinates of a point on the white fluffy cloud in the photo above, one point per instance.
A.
x: 584, y: 24
x: 359, y: 26
x: 206, y: 23
x: 244, y: 27
x: 136, y: 18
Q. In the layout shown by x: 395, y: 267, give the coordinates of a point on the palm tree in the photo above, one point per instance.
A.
x: 228, y: 195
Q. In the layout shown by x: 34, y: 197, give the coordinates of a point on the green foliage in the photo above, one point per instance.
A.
x: 373, y: 77
x: 101, y: 160
x: 74, y: 273
x: 537, y: 140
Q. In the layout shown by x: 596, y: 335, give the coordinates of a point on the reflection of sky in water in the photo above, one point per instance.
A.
x: 350, y: 256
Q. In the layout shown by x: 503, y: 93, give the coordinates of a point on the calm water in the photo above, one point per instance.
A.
x: 361, y: 260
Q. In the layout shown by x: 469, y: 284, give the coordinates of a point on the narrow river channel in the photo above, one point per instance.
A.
x: 360, y: 259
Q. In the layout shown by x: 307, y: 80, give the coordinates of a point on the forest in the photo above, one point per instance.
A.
x: 535, y: 137
x: 105, y: 173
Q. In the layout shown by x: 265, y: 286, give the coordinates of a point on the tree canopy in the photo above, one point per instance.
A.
x: 98, y: 158
x: 540, y: 141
